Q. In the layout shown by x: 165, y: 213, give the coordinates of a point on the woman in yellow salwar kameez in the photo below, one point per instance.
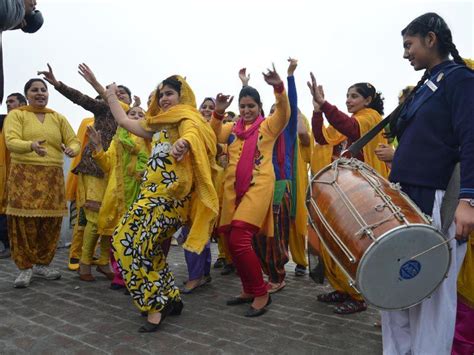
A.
x: 176, y: 188
x: 124, y: 163
x: 366, y: 106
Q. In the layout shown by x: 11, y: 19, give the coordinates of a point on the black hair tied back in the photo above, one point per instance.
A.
x: 421, y: 26
x: 366, y: 90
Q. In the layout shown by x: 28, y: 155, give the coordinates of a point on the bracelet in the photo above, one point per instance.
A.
x: 218, y: 116
x: 279, y: 88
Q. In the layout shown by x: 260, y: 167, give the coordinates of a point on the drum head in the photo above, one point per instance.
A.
x: 389, y: 280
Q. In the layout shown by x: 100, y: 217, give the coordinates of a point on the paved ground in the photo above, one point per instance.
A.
x: 70, y: 317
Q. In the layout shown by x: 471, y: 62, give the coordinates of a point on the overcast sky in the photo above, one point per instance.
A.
x: 139, y: 43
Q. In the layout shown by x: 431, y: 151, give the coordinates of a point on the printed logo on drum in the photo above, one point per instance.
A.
x: 410, y: 269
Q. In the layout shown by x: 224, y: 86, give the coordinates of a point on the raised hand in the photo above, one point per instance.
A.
x: 179, y: 149
x: 222, y: 103
x: 244, y: 78
x: 68, y: 151
x: 49, y: 76
x: 317, y: 92
x: 94, y: 138
x: 37, y: 147
x: 271, y: 77
x: 87, y: 74
x: 136, y: 101
x: 292, y: 66
x: 111, y: 91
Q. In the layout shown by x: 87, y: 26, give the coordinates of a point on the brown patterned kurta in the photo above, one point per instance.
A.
x: 104, y: 123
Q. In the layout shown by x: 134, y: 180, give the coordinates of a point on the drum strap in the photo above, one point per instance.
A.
x: 357, y: 146
x: 450, y: 199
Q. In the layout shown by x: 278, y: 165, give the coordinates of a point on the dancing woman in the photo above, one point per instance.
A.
x: 366, y: 106
x: 176, y: 188
x: 249, y: 182
x: 37, y: 138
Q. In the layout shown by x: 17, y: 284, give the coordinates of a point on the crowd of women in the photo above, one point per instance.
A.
x: 139, y: 177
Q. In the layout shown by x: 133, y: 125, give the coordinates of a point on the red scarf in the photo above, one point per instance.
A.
x: 243, y: 173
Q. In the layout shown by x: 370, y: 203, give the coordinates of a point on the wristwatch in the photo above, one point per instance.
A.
x: 470, y: 201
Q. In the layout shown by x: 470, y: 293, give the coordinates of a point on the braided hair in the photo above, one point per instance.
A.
x: 421, y: 26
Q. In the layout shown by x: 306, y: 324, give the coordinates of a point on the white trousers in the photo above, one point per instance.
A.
x: 427, y: 328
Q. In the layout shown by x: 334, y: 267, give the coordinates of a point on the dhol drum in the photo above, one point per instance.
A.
x: 373, y: 231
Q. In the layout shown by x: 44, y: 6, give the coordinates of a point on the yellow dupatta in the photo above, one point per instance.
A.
x: 303, y: 159
x: 71, y: 180
x: 321, y: 157
x: 202, y: 142
x: 332, y: 136
x: 322, y: 153
x: 367, y: 119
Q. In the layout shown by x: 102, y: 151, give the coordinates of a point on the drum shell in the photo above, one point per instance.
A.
x: 364, y: 199
x: 335, y: 220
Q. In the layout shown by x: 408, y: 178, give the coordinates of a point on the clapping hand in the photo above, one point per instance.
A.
x: 94, y: 138
x: 68, y: 151
x: 37, y: 147
x: 180, y: 147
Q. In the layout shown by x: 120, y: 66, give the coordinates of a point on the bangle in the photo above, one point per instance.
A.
x: 279, y: 88
x: 218, y: 115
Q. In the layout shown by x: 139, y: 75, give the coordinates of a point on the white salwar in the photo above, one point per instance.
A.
x: 427, y: 328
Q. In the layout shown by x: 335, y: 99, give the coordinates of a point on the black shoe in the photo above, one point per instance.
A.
x: 300, y: 270
x: 228, y: 269
x: 149, y: 327
x: 5, y: 254
x: 253, y: 312
x: 153, y: 327
x: 177, y: 308
x: 234, y: 301
x: 220, y: 263
x: 116, y: 287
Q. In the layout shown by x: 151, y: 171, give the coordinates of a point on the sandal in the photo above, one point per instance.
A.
x: 351, y: 306
x: 110, y: 275
x: 204, y: 280
x: 333, y: 297
x: 275, y: 287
